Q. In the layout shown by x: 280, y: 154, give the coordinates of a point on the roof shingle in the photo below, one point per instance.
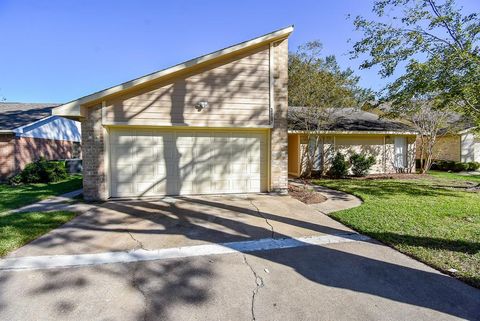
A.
x: 14, y: 115
x: 350, y: 119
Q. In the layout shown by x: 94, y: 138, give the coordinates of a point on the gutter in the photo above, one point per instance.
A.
x: 356, y: 132
x: 24, y: 128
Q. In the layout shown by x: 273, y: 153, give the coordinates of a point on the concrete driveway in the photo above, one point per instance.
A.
x: 346, y: 279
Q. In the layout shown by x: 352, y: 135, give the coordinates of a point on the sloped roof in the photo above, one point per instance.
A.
x: 456, y: 122
x: 14, y: 115
x: 350, y: 120
x: 72, y: 108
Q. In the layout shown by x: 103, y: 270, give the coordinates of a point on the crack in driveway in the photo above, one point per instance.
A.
x: 258, y: 284
x: 140, y: 244
x: 263, y: 216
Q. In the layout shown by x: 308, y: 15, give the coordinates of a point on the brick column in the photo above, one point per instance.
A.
x: 279, y: 134
x: 94, y: 180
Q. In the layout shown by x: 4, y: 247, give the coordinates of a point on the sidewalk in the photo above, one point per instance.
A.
x: 55, y: 203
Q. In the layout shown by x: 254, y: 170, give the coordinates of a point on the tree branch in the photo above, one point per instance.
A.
x: 449, y: 30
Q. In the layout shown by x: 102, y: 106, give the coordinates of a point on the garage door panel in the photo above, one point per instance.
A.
x: 125, y: 172
x: 122, y: 154
x: 238, y: 186
x: 146, y: 154
x: 159, y: 162
x: 145, y: 189
x: 253, y: 185
x: 122, y: 188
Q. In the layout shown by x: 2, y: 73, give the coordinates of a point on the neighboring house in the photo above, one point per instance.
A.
x: 462, y: 145
x: 214, y: 124
x: 29, y: 131
x: 392, y: 143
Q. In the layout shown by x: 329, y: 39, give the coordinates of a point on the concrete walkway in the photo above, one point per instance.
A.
x: 336, y: 200
x: 55, y: 203
x: 230, y: 257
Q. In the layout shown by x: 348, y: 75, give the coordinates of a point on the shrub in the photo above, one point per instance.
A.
x: 451, y: 166
x: 473, y: 166
x: 361, y: 164
x: 339, y: 166
x: 41, y: 171
x: 434, y: 166
x: 446, y: 165
x: 15, y: 180
x: 460, y: 167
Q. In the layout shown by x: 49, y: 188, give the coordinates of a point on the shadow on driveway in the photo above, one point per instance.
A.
x: 360, y: 267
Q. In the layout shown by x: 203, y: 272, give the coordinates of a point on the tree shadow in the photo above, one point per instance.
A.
x: 393, y: 189
x: 165, y: 284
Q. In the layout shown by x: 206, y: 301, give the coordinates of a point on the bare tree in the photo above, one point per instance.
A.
x: 430, y: 124
x: 310, y: 120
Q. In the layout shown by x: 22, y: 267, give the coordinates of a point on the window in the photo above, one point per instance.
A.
x: 400, y: 160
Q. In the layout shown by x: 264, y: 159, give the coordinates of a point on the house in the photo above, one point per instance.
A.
x: 214, y: 124
x: 30, y: 131
x: 392, y: 143
x: 460, y: 145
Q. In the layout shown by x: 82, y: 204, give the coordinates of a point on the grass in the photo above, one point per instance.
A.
x: 20, y: 228
x: 456, y: 176
x: 434, y: 219
x: 12, y: 197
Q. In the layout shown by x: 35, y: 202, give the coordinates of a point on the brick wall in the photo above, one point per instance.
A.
x: 16, y: 152
x: 7, y: 161
x: 279, y: 134
x: 446, y: 148
x: 94, y: 178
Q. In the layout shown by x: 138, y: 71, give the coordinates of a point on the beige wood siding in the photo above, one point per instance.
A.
x: 446, y: 148
x: 237, y: 92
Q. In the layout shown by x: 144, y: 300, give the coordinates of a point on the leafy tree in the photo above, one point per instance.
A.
x: 437, y: 45
x: 318, y: 85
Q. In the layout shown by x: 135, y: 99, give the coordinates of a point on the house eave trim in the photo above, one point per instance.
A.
x: 72, y: 109
x: 357, y: 132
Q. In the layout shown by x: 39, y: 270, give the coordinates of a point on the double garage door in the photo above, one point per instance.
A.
x: 154, y: 162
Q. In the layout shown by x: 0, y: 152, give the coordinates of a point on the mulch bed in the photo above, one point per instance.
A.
x: 305, y: 194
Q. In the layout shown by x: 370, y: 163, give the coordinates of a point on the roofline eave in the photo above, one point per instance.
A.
x: 73, y: 108
x: 350, y: 132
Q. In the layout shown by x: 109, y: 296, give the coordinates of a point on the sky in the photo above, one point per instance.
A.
x: 59, y: 50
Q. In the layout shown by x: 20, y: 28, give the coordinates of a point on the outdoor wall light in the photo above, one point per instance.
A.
x: 201, y: 105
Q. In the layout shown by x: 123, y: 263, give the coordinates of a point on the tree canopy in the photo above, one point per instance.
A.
x: 318, y: 81
x: 317, y: 86
x: 437, y: 45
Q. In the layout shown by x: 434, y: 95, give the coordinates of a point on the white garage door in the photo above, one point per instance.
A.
x: 149, y: 162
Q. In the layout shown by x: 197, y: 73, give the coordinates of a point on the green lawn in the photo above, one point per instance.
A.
x: 20, y: 228
x: 456, y: 176
x: 434, y: 219
x: 12, y: 197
